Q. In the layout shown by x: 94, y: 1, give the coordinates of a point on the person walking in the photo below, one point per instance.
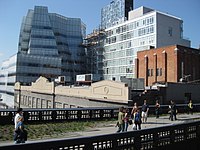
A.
x: 137, y: 120
x: 18, y: 114
x: 20, y: 135
x: 157, y: 109
x: 145, y: 109
x: 121, y: 120
x: 190, y: 107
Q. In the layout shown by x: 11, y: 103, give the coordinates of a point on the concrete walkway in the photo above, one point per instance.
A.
x: 152, y: 122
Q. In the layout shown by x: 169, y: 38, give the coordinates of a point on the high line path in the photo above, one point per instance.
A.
x: 152, y: 122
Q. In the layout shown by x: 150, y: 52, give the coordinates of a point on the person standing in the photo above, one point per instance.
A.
x: 137, y: 120
x: 126, y: 119
x: 157, y: 109
x: 121, y: 120
x: 173, y: 111
x: 190, y: 107
x: 145, y: 109
x: 134, y: 110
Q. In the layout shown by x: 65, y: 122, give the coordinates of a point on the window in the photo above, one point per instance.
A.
x: 170, y: 31
x: 157, y: 72
x: 151, y: 72
x: 160, y: 71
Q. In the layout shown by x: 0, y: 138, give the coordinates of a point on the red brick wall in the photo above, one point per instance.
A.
x: 169, y: 59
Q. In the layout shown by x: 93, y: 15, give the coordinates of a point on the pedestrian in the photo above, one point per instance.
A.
x: 145, y: 109
x: 173, y: 111
x: 134, y: 110
x: 18, y: 114
x: 137, y: 120
x: 20, y: 135
x: 190, y: 107
x: 126, y: 119
x: 121, y: 120
x: 157, y: 109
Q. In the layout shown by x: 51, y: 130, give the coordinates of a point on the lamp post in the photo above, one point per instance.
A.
x: 53, y: 94
x: 18, y: 93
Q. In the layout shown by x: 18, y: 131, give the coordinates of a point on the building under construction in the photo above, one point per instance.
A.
x: 94, y: 44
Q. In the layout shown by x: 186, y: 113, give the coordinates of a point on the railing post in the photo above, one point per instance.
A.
x: 79, y: 114
x: 91, y: 114
x: 155, y: 140
x: 137, y: 142
x: 112, y: 113
x: 54, y: 115
x: 40, y: 115
x: 101, y: 113
x: 172, y: 136
x: 115, y: 144
x: 89, y: 146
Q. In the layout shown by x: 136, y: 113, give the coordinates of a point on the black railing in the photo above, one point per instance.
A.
x: 74, y: 114
x: 184, y: 136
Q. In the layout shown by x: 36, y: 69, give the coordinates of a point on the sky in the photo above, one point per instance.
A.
x: 12, y: 12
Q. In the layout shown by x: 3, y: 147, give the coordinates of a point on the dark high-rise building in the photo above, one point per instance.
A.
x: 115, y: 12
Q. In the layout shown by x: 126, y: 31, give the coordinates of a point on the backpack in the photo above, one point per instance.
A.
x: 137, y: 118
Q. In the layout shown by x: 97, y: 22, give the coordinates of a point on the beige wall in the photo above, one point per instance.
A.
x: 104, y: 91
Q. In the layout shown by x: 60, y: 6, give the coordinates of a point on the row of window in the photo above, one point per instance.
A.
x: 147, y: 40
x: 158, y: 72
x: 120, y: 54
x: 117, y: 62
x: 117, y: 70
x: 55, y: 66
x: 130, y: 35
x: 131, y: 26
x: 33, y: 102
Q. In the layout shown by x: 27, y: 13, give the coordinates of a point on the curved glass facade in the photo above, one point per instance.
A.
x: 49, y: 45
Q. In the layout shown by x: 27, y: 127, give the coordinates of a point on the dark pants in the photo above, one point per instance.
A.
x: 137, y: 126
x: 121, y: 128
x: 157, y: 113
x: 20, y: 136
x: 173, y: 115
x: 190, y: 110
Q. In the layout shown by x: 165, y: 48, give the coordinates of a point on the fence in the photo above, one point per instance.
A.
x: 183, y: 136
x: 73, y: 114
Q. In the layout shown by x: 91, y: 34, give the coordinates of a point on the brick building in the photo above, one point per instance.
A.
x: 168, y: 64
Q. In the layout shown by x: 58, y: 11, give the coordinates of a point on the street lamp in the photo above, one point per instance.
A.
x: 18, y: 90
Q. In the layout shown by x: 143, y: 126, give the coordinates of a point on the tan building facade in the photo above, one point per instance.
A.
x: 168, y: 64
x: 45, y: 94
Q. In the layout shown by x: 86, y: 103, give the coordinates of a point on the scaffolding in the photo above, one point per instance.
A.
x: 94, y: 46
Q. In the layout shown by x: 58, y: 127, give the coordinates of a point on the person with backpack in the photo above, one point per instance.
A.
x: 20, y: 135
x: 138, y: 120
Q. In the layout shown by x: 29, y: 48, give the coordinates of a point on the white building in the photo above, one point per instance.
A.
x: 7, y: 80
x: 146, y: 28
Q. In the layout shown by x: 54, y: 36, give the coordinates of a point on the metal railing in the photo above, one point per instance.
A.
x: 186, y: 136
x: 75, y: 114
